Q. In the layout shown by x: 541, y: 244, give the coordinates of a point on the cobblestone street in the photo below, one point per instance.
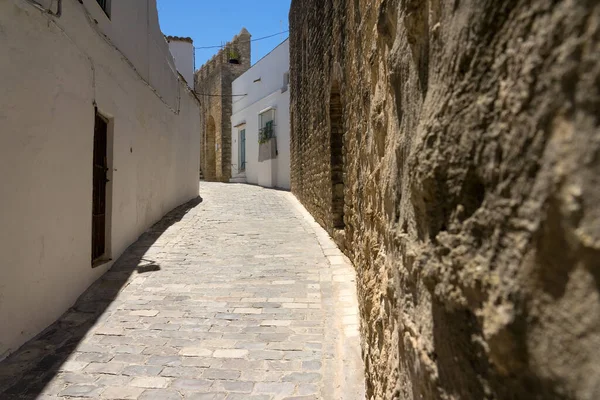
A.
x: 238, y: 296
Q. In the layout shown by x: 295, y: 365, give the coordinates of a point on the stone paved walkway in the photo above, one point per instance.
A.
x: 240, y: 296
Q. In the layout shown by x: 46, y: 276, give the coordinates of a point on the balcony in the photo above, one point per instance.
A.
x: 266, y: 133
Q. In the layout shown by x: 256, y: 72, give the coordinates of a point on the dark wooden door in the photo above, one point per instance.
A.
x: 99, y: 192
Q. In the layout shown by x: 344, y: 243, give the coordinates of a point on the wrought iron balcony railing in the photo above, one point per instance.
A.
x: 266, y: 133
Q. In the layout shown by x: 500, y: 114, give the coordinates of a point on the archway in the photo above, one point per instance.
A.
x: 210, y: 150
x: 337, y: 157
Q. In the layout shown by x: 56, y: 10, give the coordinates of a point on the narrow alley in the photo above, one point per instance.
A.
x: 238, y: 294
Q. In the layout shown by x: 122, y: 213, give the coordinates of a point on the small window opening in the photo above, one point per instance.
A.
x: 233, y: 56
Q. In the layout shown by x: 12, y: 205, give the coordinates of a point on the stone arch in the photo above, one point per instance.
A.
x: 211, y: 153
x: 338, y: 168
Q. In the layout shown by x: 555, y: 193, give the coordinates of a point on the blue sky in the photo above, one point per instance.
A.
x: 212, y: 22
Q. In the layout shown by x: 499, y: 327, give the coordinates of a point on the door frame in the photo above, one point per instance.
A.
x: 242, y: 165
x: 105, y: 257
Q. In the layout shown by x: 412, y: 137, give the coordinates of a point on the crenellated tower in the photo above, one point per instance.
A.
x: 212, y: 83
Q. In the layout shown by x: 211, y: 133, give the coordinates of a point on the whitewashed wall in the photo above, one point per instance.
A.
x: 183, y: 54
x: 264, y: 86
x: 134, y: 29
x: 52, y: 70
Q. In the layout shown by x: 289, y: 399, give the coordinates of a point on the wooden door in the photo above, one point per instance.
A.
x: 99, y: 190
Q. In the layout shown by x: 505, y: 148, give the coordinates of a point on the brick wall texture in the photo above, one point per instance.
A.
x: 213, y: 85
x: 453, y: 149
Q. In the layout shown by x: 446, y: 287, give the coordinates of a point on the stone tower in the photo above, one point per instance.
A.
x: 213, y: 87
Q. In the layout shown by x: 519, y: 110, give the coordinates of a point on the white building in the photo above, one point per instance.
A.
x: 97, y: 134
x: 261, y: 106
x: 182, y: 49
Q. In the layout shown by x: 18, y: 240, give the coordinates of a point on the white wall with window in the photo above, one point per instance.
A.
x: 260, y: 122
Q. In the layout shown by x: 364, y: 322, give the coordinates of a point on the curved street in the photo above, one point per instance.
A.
x: 237, y: 295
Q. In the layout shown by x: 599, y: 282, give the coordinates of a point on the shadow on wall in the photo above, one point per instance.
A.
x: 26, y: 373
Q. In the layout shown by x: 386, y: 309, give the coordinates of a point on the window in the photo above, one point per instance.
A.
x: 105, y: 5
x: 233, y: 56
x: 267, y: 125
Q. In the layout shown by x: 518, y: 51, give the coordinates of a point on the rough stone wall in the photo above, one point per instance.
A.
x: 213, y: 86
x: 471, y: 159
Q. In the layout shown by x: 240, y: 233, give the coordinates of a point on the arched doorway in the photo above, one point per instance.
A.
x: 337, y: 157
x: 210, y: 159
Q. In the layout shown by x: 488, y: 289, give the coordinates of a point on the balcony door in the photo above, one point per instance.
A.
x: 242, y: 150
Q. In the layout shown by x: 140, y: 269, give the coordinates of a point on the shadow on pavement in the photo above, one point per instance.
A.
x: 274, y: 188
x: 25, y: 374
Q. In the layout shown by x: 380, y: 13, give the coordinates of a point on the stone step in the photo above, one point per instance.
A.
x: 238, y: 179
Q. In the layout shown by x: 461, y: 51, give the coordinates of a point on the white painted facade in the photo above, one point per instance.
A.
x: 53, y: 71
x: 182, y: 50
x: 266, y: 92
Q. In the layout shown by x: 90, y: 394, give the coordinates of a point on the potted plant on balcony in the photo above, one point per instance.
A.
x: 267, y: 142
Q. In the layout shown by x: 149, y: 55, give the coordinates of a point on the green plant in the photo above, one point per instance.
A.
x: 233, y: 56
x: 266, y: 133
